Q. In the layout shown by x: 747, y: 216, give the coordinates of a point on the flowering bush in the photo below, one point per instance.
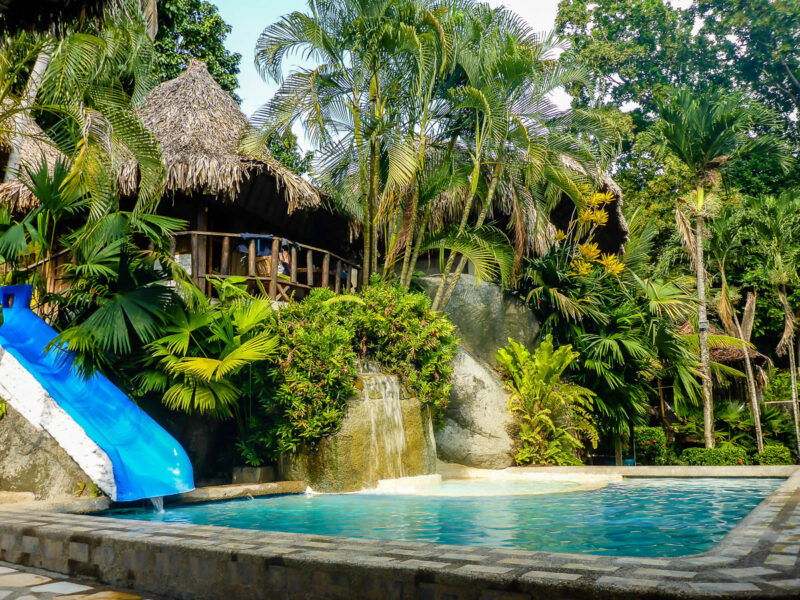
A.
x: 775, y: 454
x: 715, y: 456
x: 651, y: 445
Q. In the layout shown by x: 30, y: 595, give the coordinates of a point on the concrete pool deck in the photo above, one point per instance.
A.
x: 759, y: 558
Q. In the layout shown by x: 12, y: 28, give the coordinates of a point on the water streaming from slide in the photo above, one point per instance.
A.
x: 158, y: 503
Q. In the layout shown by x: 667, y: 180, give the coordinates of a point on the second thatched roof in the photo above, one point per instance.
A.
x: 199, y: 127
x: 19, y: 129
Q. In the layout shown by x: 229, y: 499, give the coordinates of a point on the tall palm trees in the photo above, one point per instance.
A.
x: 776, y: 226
x: 409, y: 93
x: 706, y: 131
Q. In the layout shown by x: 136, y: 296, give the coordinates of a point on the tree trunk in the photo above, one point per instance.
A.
x: 410, y: 234
x: 751, y: 386
x: 793, y: 368
x: 417, y: 248
x: 463, y: 262
x: 28, y: 98
x: 452, y: 258
x: 705, y: 354
x: 618, y: 449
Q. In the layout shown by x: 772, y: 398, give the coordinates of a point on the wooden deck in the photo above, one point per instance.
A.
x: 300, y: 267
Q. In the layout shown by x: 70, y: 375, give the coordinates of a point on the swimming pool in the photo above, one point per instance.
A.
x: 632, y: 517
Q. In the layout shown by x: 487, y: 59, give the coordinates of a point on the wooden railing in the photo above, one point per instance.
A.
x: 214, y: 254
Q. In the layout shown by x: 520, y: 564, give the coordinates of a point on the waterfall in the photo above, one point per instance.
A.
x: 158, y: 503
x: 387, y: 435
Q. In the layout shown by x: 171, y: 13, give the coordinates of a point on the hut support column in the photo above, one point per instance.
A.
x: 225, y: 259
x: 202, y: 225
x: 273, y: 280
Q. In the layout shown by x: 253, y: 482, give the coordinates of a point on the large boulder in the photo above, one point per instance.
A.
x: 32, y: 461
x: 479, y: 430
x: 386, y: 434
x: 486, y: 317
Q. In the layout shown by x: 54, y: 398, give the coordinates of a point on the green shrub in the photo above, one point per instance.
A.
x: 775, y: 454
x: 651, y: 445
x: 715, y: 456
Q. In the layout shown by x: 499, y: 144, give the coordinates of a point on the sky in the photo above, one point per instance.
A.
x: 249, y: 18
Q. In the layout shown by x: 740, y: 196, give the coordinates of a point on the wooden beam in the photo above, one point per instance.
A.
x: 326, y: 270
x: 293, y: 266
x: 196, y: 258
x: 251, y: 259
x: 225, y: 259
x: 273, y: 283
x: 310, y: 268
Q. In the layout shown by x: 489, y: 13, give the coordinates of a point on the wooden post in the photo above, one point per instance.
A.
x: 293, y: 266
x: 310, y: 268
x: 337, y: 278
x: 353, y: 279
x: 326, y: 269
x: 196, y: 259
x: 225, y: 259
x: 202, y: 248
x: 251, y: 259
x: 273, y: 282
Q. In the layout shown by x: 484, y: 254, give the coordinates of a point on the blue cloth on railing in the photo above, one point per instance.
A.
x: 264, y: 243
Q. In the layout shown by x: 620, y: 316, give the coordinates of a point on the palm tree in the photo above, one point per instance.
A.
x: 725, y: 240
x: 705, y: 131
x: 517, y: 138
x: 776, y: 226
x: 366, y: 51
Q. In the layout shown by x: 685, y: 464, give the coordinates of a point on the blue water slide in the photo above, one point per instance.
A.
x: 147, y: 461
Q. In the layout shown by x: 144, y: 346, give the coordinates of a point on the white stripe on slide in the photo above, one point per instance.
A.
x: 20, y: 389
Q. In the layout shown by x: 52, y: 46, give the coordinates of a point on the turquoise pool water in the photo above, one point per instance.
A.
x: 634, y: 517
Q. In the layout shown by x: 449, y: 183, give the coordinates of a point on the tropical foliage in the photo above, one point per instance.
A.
x: 555, y: 416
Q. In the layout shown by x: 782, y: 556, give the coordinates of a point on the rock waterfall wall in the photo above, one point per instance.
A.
x: 386, y: 434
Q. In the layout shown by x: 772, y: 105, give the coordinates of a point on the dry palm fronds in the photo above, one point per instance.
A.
x: 687, y: 236
x: 789, y: 324
x: 749, y: 316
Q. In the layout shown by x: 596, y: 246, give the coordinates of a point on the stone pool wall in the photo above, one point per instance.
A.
x: 758, y: 559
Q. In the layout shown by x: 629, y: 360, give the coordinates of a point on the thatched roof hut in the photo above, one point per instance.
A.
x: 199, y: 127
x: 733, y: 356
x: 35, y: 147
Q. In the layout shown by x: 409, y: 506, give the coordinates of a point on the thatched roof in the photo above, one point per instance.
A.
x: 35, y: 147
x: 199, y: 127
x: 727, y: 355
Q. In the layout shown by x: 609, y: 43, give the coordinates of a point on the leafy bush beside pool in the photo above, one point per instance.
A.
x: 715, y: 456
x: 775, y: 454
